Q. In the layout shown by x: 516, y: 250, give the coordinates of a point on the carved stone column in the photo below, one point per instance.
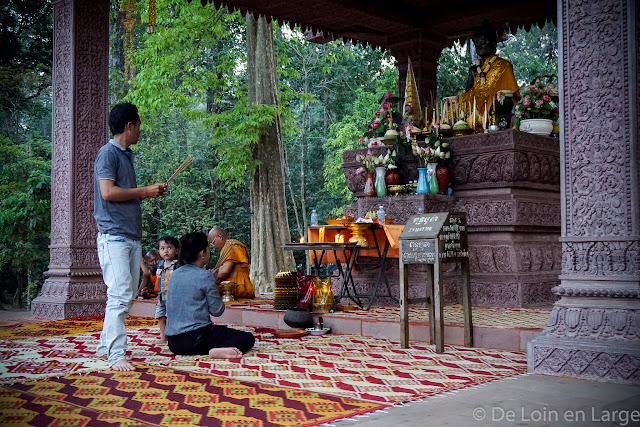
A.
x: 594, y: 329
x: 74, y: 285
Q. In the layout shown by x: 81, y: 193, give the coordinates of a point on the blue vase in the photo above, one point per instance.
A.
x: 433, y: 181
x: 423, y: 185
x: 381, y: 185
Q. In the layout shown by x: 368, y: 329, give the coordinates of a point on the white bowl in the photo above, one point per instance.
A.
x: 318, y: 332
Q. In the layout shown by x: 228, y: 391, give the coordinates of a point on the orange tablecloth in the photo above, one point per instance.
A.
x: 389, y: 232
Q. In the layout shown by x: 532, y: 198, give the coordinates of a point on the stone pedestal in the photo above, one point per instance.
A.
x: 74, y: 286
x: 508, y: 183
x: 594, y: 329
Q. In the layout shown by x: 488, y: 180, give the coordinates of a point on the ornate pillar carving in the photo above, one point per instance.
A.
x: 74, y: 285
x: 594, y: 329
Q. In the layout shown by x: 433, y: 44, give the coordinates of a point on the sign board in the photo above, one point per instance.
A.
x: 426, y: 226
x: 452, y: 239
x: 423, y: 232
x: 431, y: 239
x: 422, y: 251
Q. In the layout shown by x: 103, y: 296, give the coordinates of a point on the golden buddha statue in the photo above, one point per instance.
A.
x: 488, y: 76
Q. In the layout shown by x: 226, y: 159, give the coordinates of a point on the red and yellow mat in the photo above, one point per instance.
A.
x: 154, y: 396
x: 45, y: 369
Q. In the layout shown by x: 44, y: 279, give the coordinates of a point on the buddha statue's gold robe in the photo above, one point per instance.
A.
x: 498, y: 77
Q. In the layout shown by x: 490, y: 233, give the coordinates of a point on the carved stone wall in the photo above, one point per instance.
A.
x: 594, y: 329
x: 80, y: 82
x: 508, y: 184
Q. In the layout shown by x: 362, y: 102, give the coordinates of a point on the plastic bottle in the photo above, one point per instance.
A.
x: 449, y: 190
x: 381, y: 215
x: 420, y: 211
x: 314, y: 218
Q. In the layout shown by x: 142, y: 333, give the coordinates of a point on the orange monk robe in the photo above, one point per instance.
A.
x: 499, y: 77
x: 236, y: 252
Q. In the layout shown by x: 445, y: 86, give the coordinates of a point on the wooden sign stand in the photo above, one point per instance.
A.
x: 431, y: 239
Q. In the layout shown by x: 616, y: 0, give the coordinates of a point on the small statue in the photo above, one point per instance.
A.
x: 489, y: 75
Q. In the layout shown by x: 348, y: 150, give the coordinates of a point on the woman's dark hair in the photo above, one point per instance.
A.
x: 170, y: 240
x: 191, y: 245
x: 120, y: 115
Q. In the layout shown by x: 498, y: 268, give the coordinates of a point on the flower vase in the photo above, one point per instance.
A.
x: 433, y: 182
x: 381, y: 185
x: 393, y: 177
x: 423, y: 182
x: 442, y: 176
x: 369, y: 188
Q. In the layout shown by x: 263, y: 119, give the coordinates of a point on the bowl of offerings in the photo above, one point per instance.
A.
x: 461, y: 128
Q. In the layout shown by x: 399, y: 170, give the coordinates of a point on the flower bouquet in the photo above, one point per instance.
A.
x: 369, y: 162
x: 436, y: 151
x: 536, y: 102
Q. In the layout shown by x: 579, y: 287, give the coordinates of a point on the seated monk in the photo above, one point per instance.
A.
x: 233, y: 264
x: 489, y: 75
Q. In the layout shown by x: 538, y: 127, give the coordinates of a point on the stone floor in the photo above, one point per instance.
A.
x: 531, y: 400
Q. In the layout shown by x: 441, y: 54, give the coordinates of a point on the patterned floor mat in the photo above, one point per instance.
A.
x: 162, y: 396
x: 15, y: 329
x: 26, y: 359
x: 365, y: 368
x: 492, y: 317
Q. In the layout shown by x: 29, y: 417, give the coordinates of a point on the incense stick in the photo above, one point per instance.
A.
x: 182, y: 167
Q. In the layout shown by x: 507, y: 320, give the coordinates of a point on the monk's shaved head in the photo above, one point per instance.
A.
x: 217, y: 237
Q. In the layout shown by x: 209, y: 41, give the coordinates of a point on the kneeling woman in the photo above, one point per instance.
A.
x: 193, y: 295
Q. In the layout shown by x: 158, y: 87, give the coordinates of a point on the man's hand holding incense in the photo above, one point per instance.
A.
x: 155, y: 190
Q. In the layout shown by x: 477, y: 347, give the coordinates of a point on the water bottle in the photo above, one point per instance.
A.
x: 314, y: 217
x: 381, y: 215
x: 420, y: 211
x: 449, y: 190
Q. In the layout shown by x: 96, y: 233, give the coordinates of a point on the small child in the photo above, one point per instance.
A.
x: 149, y: 286
x: 169, y: 247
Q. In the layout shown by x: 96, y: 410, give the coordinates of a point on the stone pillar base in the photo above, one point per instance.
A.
x: 596, y: 360
x: 62, y: 298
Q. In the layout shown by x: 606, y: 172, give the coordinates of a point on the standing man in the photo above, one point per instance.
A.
x: 233, y: 264
x: 117, y: 212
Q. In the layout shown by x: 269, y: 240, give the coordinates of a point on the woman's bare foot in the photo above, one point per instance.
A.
x: 161, y: 340
x: 123, y: 365
x: 225, y: 353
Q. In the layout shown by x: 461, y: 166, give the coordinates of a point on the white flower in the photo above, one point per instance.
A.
x: 392, y: 166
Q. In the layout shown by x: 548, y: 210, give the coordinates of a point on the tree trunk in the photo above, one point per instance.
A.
x: 269, y: 222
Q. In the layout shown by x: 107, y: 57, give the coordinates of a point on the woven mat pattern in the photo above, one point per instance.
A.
x: 302, y: 381
x: 163, y: 396
x: 365, y: 368
x: 15, y: 329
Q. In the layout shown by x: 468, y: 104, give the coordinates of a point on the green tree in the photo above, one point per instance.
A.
x: 25, y: 209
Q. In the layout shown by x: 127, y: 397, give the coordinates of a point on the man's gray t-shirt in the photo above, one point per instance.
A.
x: 115, y: 163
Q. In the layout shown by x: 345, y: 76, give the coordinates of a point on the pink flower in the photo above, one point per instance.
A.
x: 541, y: 102
x: 532, y: 86
x: 527, y: 97
x: 526, y: 103
x: 375, y: 125
x: 546, y: 89
x: 388, y: 95
x: 359, y: 171
x: 546, y: 98
x: 369, y: 130
x: 361, y: 140
x: 369, y: 152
